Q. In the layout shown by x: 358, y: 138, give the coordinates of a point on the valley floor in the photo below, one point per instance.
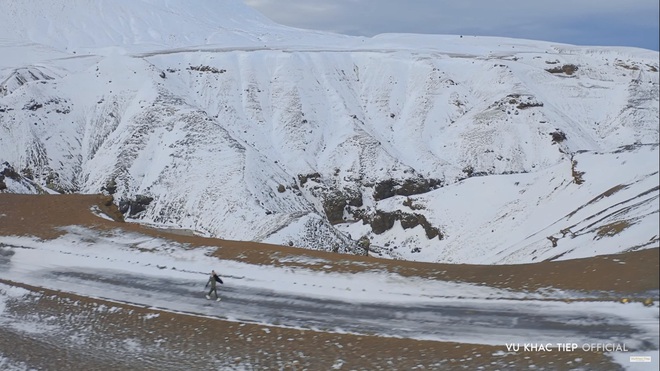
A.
x: 78, y: 289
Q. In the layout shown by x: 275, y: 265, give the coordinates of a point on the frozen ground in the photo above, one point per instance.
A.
x: 238, y: 128
x: 163, y: 275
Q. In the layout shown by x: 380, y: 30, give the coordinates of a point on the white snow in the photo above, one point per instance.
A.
x: 212, y: 110
x: 90, y: 264
x: 213, y: 121
x: 82, y: 248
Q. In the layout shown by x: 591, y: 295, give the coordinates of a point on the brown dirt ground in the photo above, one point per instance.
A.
x: 250, y: 344
x: 193, y: 342
x: 621, y: 274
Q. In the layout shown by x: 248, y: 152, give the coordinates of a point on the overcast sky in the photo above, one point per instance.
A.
x: 581, y: 22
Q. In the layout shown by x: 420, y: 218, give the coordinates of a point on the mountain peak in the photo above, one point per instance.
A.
x: 133, y: 24
x: 205, y: 116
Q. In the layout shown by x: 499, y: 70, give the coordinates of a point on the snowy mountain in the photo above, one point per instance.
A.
x: 207, y: 116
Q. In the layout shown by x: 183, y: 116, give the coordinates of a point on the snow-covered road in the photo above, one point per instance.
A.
x: 154, y: 273
x: 467, y: 320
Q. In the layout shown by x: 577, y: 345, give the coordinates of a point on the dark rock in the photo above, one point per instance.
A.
x: 53, y: 182
x: 124, y: 206
x: 567, y: 69
x: 111, y: 186
x: 303, y: 178
x: 9, y: 172
x: 353, y: 197
x: 431, y: 231
x: 143, y: 200
x: 364, y: 243
x: 210, y: 69
x: 524, y: 105
x: 140, y: 204
x: 409, y: 221
x: 385, y: 189
x: 359, y: 214
x: 382, y: 221
x: 33, y: 106
x: 414, y: 187
x: 334, y: 204
x: 558, y: 136
x: 134, y: 206
x: 408, y: 187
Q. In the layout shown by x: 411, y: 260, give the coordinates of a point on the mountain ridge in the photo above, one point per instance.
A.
x: 83, y: 24
x: 341, y: 143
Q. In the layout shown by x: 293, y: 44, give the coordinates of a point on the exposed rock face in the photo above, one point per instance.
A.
x: 9, y: 172
x: 20, y: 77
x: 135, y: 206
x: 406, y: 187
x: 21, y: 183
x: 383, y: 221
x: 335, y: 203
x: 310, y: 148
x: 568, y: 69
x: 110, y: 187
x: 558, y: 136
x: 108, y: 206
x: 53, y: 182
x: 364, y: 243
x: 303, y: 178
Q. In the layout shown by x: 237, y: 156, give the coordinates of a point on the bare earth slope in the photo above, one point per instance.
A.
x: 56, y: 329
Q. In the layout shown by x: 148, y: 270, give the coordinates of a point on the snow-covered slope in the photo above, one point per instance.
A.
x: 212, y: 118
x: 79, y: 25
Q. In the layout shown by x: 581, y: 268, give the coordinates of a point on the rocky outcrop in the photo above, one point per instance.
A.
x: 303, y: 178
x: 110, y: 186
x: 383, y: 221
x: 558, y: 136
x: 134, y: 206
x: 6, y: 171
x: 336, y: 201
x: 206, y: 69
x: 406, y: 187
x: 9, y: 172
x: 12, y: 181
x: 567, y: 69
x: 107, y: 206
x: 364, y: 243
x: 54, y: 182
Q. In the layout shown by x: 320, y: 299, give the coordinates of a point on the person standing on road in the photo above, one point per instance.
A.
x: 212, y: 280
